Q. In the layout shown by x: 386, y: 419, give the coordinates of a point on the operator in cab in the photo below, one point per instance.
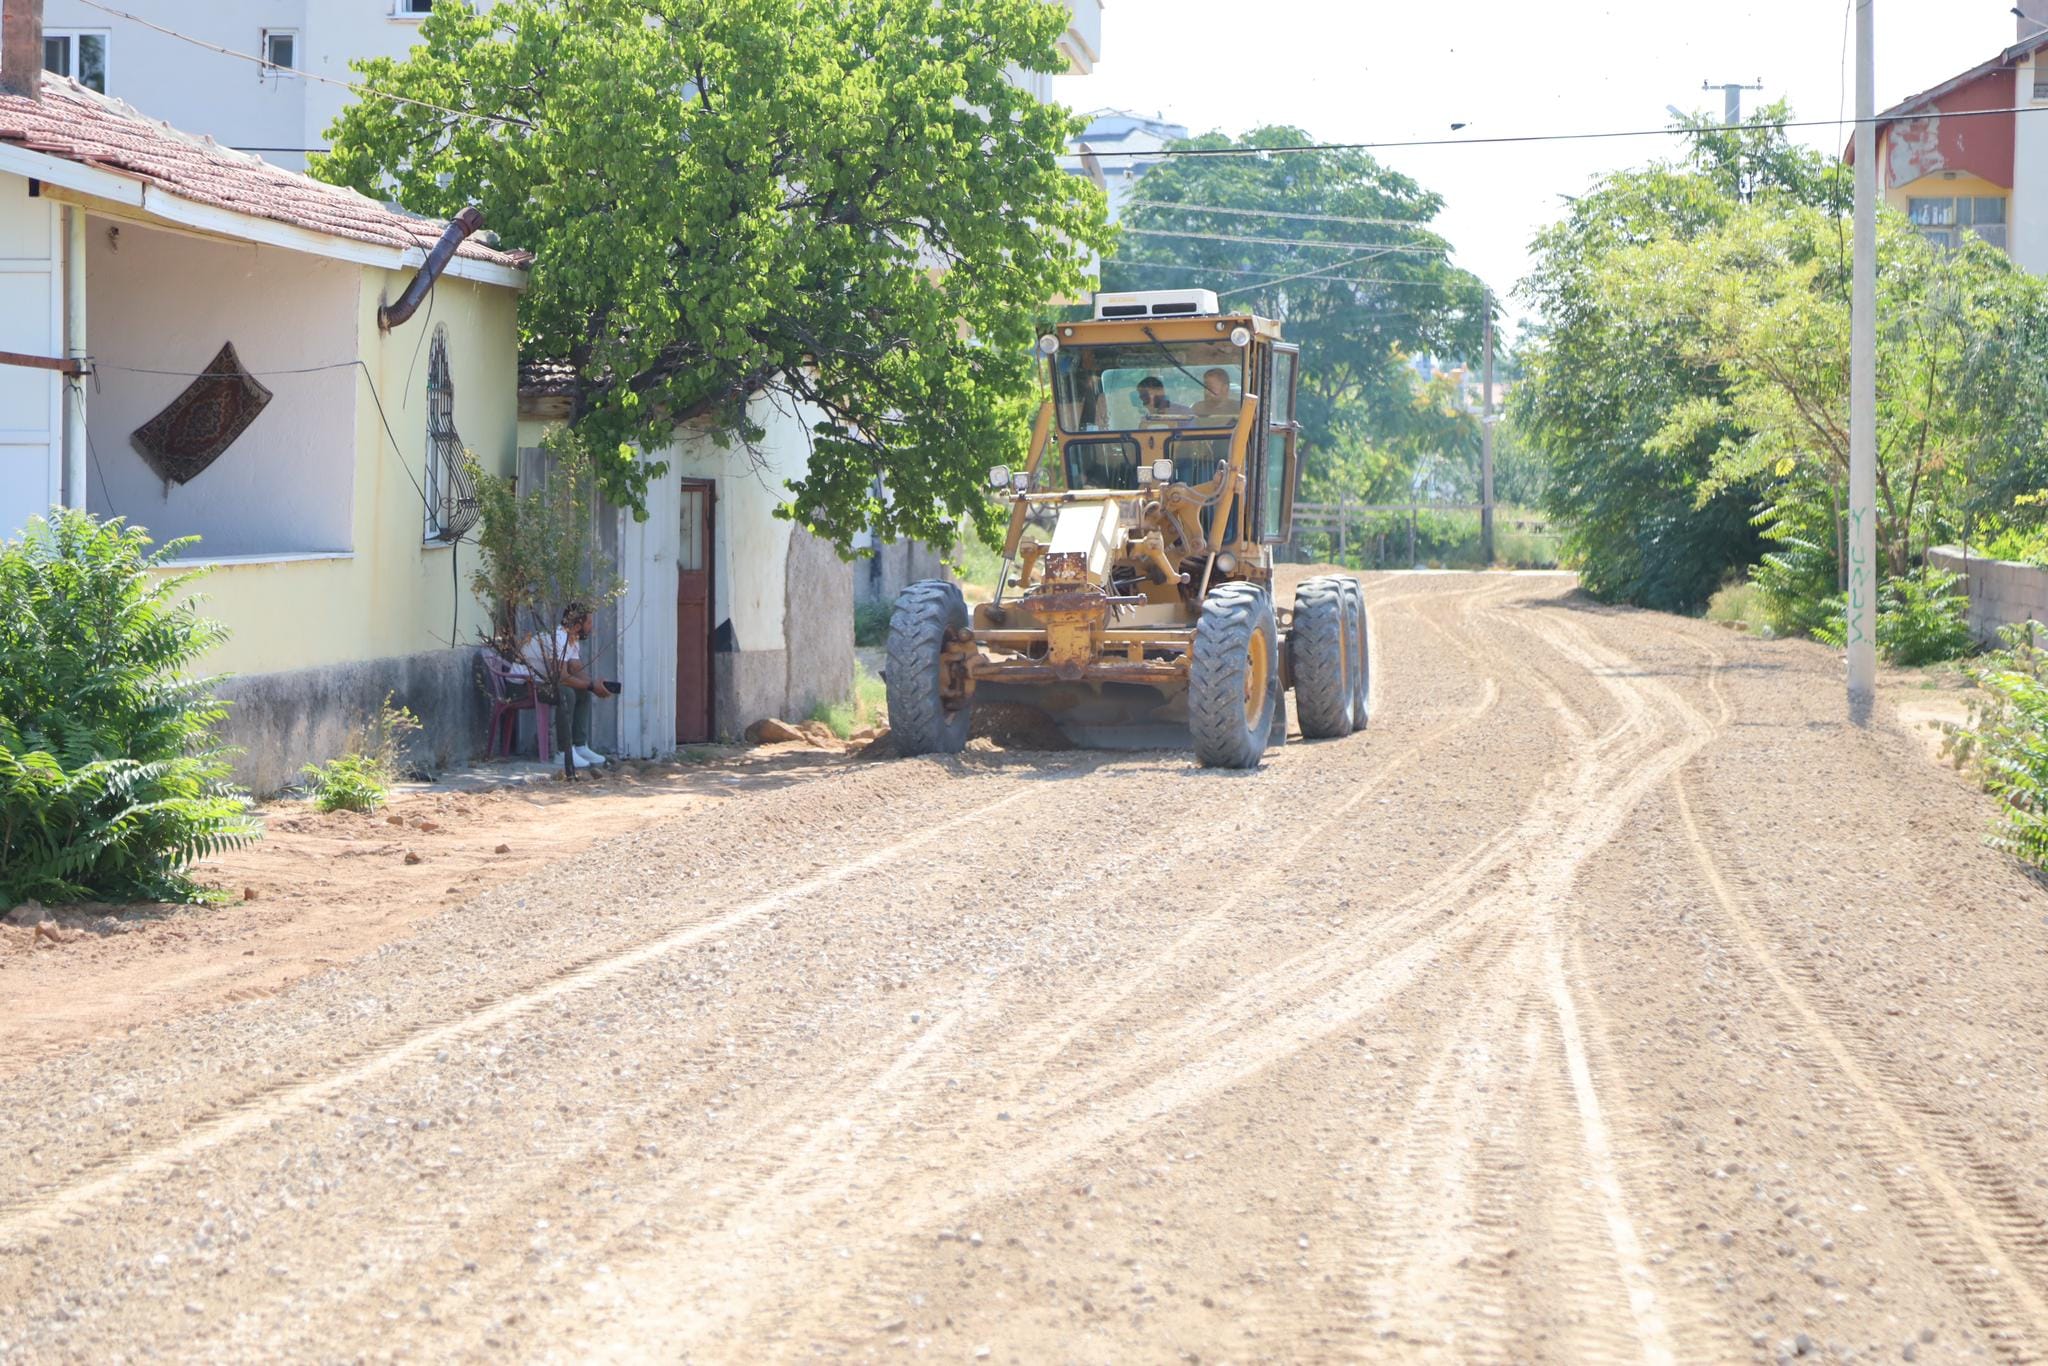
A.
x: 1156, y: 406
x: 1216, y: 399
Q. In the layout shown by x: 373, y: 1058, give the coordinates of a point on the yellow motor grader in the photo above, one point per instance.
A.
x: 1135, y: 608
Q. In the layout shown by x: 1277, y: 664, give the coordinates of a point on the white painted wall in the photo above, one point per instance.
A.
x: 750, y: 562
x: 164, y: 301
x: 233, y: 101
x: 2027, y: 226
x: 32, y: 323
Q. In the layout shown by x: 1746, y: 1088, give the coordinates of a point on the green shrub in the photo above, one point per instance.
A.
x: 360, y: 778
x: 1921, y: 619
x: 111, y: 780
x: 869, y: 705
x: 1740, y: 604
x: 2006, y: 740
x: 871, y: 623
x: 352, y: 782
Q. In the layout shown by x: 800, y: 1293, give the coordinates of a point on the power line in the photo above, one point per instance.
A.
x: 1281, y: 213
x: 1267, y: 277
x: 1287, y: 241
x: 1781, y: 125
x: 265, y: 63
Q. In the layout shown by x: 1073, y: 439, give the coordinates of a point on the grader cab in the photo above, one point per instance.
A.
x: 1135, y: 608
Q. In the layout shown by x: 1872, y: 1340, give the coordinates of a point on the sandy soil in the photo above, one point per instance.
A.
x: 1610, y: 999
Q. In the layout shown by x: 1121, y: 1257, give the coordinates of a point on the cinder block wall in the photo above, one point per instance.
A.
x: 2002, y: 593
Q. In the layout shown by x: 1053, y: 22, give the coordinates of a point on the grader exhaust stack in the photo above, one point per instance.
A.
x: 1136, y: 606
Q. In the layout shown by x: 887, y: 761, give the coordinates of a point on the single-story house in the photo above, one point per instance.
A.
x: 731, y: 614
x: 244, y: 369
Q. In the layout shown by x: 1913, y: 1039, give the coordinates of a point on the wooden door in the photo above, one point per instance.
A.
x: 693, y: 613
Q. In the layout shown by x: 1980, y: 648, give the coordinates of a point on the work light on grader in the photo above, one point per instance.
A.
x: 1135, y: 607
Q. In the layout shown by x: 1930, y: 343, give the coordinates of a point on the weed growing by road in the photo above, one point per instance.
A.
x: 361, y: 778
x: 869, y: 706
x: 2006, y: 741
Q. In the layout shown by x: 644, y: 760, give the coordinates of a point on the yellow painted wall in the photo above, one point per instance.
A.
x: 392, y: 594
x: 1941, y: 187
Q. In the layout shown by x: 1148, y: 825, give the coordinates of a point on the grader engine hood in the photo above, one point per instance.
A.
x: 1084, y: 541
x: 1073, y: 604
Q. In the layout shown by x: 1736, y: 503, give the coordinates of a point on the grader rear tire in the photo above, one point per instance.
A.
x: 1320, y: 647
x: 1231, y: 681
x: 1361, y: 652
x: 919, y: 720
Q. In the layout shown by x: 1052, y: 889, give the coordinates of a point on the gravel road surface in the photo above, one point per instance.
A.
x: 1608, y: 1000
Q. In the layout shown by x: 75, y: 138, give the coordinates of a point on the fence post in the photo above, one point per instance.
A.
x: 1343, y: 526
x: 1412, y: 515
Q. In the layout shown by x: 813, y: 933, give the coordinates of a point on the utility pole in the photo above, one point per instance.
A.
x: 1862, y: 538
x: 1731, y: 94
x: 21, y: 47
x: 1486, y: 442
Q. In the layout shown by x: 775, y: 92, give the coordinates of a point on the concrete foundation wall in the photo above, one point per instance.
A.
x: 892, y: 568
x: 283, y: 721
x: 2002, y: 593
x: 817, y: 626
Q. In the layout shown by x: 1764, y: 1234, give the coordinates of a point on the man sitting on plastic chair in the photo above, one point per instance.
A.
x: 562, y: 660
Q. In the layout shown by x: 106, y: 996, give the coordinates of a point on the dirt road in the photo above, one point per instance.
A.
x: 1607, y: 1001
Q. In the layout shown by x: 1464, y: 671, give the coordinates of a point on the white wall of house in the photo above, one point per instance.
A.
x: 31, y: 323
x: 2027, y: 219
x: 750, y: 568
x: 160, y: 300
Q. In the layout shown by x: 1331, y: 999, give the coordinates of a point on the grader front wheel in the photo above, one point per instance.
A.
x: 920, y: 721
x: 1231, y: 692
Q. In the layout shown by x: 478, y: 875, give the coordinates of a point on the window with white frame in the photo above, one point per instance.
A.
x: 411, y: 9
x: 80, y: 54
x: 280, y: 53
x: 1941, y: 219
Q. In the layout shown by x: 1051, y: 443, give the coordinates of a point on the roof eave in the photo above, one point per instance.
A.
x: 154, y: 201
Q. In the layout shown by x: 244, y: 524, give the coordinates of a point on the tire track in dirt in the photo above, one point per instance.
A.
x: 1961, y: 1206
x: 1968, y: 1210
x: 35, y: 1210
x: 1230, y: 1043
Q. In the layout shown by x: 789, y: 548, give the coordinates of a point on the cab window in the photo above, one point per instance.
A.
x: 1183, y: 384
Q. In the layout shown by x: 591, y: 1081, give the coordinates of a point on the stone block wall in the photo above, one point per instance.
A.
x: 2002, y: 592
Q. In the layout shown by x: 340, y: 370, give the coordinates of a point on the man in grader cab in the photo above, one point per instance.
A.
x: 1135, y: 607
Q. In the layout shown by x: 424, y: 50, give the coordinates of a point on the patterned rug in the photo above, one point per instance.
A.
x: 182, y: 440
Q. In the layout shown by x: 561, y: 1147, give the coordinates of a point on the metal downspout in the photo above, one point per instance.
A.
x: 461, y: 226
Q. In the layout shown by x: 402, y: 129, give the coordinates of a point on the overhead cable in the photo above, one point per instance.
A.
x: 1781, y: 125
x: 269, y: 65
x: 1376, y: 247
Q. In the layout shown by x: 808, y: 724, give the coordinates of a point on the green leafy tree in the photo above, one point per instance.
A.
x: 1377, y: 293
x: 111, y: 781
x: 847, y: 206
x: 1646, y: 524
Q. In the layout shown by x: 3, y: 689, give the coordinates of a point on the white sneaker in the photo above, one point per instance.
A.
x: 589, y: 758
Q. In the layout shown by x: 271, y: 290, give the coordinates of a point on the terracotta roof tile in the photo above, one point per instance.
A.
x: 81, y: 125
x: 546, y: 378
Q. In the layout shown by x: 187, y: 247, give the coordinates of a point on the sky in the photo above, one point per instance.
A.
x: 1390, y: 70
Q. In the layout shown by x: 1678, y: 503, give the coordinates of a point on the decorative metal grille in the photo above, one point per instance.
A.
x: 452, y: 507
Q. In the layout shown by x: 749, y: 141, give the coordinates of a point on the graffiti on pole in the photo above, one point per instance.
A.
x: 1859, y: 575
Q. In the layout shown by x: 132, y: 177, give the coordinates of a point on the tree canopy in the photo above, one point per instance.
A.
x: 848, y: 207
x: 1689, y: 388
x: 1372, y: 289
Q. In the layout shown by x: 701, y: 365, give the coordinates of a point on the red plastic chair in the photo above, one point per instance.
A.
x: 510, y: 695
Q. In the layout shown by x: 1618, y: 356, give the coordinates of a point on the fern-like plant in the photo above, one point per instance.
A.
x: 112, y: 782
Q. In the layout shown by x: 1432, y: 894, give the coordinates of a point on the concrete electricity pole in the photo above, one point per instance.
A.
x: 1486, y: 441
x: 1731, y: 93
x: 1862, y: 538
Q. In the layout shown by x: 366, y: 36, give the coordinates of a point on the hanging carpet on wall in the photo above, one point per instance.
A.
x: 216, y: 408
